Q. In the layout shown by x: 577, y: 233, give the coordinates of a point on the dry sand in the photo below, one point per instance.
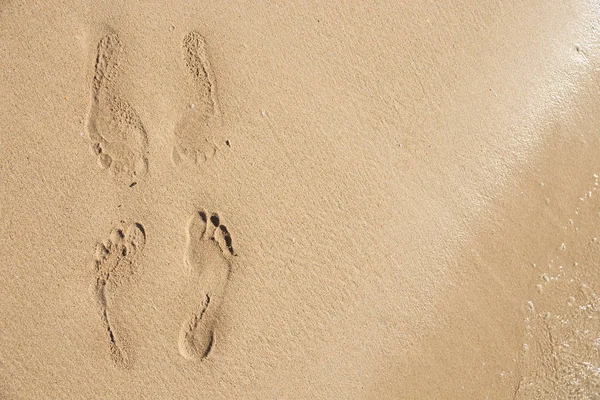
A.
x: 235, y: 200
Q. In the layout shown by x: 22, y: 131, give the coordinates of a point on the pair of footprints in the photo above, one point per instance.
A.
x: 120, y: 141
x: 118, y: 136
x: 208, y: 256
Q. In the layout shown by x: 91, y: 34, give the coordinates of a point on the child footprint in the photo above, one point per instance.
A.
x: 117, y: 136
x: 115, y: 262
x: 199, y: 127
x: 208, y: 255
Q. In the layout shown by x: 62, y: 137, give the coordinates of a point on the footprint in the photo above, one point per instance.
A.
x: 117, y: 136
x: 199, y: 128
x: 208, y: 256
x: 115, y: 262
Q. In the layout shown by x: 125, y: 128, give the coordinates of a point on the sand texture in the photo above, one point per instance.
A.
x: 300, y: 200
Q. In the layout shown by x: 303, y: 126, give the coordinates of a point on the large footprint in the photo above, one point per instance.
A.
x: 117, y: 136
x: 198, y: 131
x: 208, y: 256
x: 115, y: 262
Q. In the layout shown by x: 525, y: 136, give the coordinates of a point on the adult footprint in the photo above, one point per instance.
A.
x: 117, y: 136
x: 115, y: 262
x: 198, y: 131
x: 208, y: 255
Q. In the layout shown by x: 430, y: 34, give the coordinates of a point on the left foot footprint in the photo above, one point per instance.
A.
x: 115, y: 263
x: 198, y: 130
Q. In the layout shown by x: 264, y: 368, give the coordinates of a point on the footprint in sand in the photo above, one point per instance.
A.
x: 115, y: 262
x: 197, y: 133
x: 208, y: 255
x: 117, y: 136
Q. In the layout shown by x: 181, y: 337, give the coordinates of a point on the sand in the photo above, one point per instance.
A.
x: 236, y: 200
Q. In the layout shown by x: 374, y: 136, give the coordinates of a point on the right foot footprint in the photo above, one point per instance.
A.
x: 197, y: 131
x: 118, y: 137
x: 115, y: 263
x: 208, y: 256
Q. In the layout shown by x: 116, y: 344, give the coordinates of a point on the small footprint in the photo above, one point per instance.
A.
x: 115, y: 262
x: 208, y: 255
x: 197, y: 131
x: 117, y: 136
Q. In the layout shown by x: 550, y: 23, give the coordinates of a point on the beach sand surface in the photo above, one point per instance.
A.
x: 235, y: 200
